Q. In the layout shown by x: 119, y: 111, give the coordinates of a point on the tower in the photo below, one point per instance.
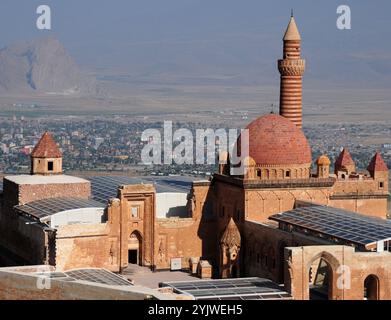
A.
x: 291, y: 68
x: 344, y: 163
x: 379, y: 171
x: 46, y: 158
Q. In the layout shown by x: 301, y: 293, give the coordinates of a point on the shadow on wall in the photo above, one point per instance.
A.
x: 207, y: 233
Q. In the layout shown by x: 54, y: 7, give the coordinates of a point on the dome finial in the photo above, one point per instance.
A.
x: 292, y: 13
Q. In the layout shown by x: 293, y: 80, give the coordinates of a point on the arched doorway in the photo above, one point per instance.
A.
x: 134, y: 248
x: 321, y: 280
x: 371, y: 288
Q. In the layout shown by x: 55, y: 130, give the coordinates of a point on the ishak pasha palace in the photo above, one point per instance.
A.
x: 289, y: 228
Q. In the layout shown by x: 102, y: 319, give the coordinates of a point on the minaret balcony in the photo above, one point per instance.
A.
x: 288, y: 67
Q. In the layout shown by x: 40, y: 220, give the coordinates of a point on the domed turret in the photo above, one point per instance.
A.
x: 323, y: 166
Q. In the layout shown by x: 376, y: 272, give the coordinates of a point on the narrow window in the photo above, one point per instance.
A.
x: 50, y: 166
x: 135, y: 212
x: 381, y: 185
x: 288, y: 174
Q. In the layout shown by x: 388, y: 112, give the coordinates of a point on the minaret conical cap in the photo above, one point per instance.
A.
x: 292, y: 32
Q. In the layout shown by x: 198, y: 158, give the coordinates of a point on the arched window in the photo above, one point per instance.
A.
x: 371, y: 288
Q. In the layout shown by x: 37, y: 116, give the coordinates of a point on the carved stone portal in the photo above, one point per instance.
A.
x: 230, y: 243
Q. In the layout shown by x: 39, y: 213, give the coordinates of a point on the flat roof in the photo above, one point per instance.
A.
x: 337, y: 223
x: 104, y: 188
x: 38, y: 179
x: 48, y: 207
x: 230, y: 289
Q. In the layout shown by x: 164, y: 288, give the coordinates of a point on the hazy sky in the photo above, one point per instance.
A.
x: 215, y: 36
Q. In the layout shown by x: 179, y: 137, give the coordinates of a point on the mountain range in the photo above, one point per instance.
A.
x: 42, y: 66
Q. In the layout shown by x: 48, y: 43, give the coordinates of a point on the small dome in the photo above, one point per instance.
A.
x: 323, y: 161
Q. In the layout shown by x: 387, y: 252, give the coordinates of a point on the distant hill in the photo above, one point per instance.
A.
x: 42, y: 66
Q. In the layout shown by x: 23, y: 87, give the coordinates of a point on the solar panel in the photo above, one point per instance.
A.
x: 105, y: 187
x: 342, y: 224
x: 101, y: 276
x: 47, y: 207
x: 230, y: 289
x: 53, y: 275
x: 98, y: 276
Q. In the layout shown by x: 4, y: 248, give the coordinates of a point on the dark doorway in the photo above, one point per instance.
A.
x: 321, y: 287
x: 371, y: 288
x: 133, y: 257
x: 135, y: 249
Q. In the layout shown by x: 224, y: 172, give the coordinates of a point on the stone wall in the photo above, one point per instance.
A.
x: 358, y: 266
x: 262, y: 253
x: 16, y: 194
x: 81, y: 246
x: 182, y: 238
x: 360, y: 195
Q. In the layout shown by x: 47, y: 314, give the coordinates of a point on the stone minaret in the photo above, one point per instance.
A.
x: 292, y: 69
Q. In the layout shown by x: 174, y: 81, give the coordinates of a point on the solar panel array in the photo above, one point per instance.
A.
x: 98, y: 276
x: 230, y: 289
x: 101, y: 276
x: 47, y: 207
x: 337, y: 223
x: 105, y: 187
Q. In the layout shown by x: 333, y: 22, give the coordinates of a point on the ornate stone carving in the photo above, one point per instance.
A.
x: 231, y: 236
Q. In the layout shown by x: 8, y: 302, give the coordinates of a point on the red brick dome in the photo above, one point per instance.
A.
x: 275, y: 140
